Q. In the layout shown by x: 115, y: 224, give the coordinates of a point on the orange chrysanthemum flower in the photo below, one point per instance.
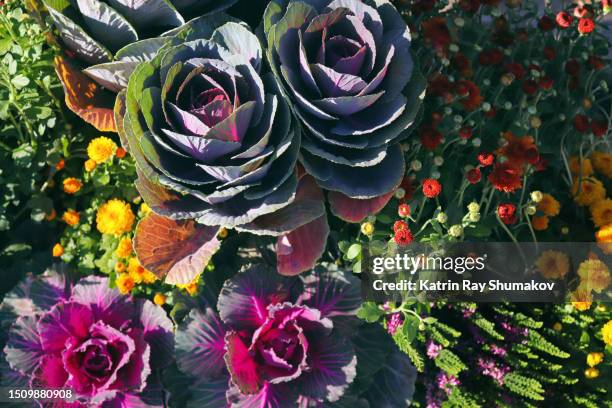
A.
x: 72, y: 185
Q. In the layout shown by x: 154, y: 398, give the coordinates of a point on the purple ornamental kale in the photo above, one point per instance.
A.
x: 280, y: 341
x: 347, y: 68
x: 105, y: 347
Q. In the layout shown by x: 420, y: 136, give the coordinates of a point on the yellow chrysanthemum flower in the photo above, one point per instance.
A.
x: 125, y: 283
x: 114, y: 217
x: 588, y: 191
x: 601, y: 212
x: 581, y: 299
x: 539, y: 223
x: 604, y: 238
x: 223, y: 233
x: 606, y: 333
x: 594, y: 275
x: 602, y: 163
x: 72, y: 185
x: 159, y: 299
x: 101, y: 149
x: 553, y: 264
x: 591, y: 373
x: 58, y: 250
x: 191, y: 287
x: 367, y: 228
x: 124, y: 248
x: 549, y: 205
x: 139, y: 273
x: 90, y: 165
x: 145, y: 209
x: 71, y: 217
x: 584, y: 171
x: 594, y: 358
x: 120, y: 267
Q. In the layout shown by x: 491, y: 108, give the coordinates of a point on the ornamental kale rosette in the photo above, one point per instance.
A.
x: 105, y: 347
x: 347, y: 69
x: 108, y: 38
x: 213, y: 142
x: 282, y: 341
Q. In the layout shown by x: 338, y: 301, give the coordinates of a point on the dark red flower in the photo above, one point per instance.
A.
x: 403, y: 210
x: 506, y: 177
x: 403, y: 237
x: 596, y: 63
x: 474, y: 175
x: 549, y: 53
x: 530, y: 87
x: 586, y: 26
x: 546, y: 23
x: 546, y: 83
x: 431, y: 188
x: 469, y: 6
x: 572, y: 67
x: 582, y: 123
x: 599, y: 128
x: 399, y: 225
x: 436, y: 33
x: 516, y: 69
x: 470, y: 93
x: 519, y: 150
x: 491, y: 112
x: 408, y: 187
x: 462, y: 64
x: 485, y: 159
x: 491, y: 57
x: 430, y: 137
x: 439, y: 85
x: 465, y: 132
x: 507, y: 213
x: 564, y: 19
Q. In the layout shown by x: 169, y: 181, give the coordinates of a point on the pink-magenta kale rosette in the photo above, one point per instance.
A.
x: 105, y: 347
x: 281, y: 342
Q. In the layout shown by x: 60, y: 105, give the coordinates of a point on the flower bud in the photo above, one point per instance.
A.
x: 416, y: 165
x: 535, y: 122
x: 441, y: 218
x: 474, y: 217
x: 536, y: 196
x: 367, y: 228
x: 400, y: 193
x: 455, y: 231
x: 473, y: 207
x: 507, y: 79
x: 531, y: 210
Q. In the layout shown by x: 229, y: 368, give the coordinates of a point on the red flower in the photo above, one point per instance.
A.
x: 431, y: 188
x: 471, y: 93
x: 599, y: 128
x: 403, y: 237
x: 506, y: 177
x: 439, y: 85
x: 596, y: 63
x: 485, y: 159
x: 490, y: 57
x: 519, y: 150
x: 582, y: 123
x: 586, y: 26
x: 436, y: 33
x: 403, y: 210
x: 546, y: 83
x: 465, y: 132
x: 430, y: 137
x: 462, y: 64
x: 546, y: 23
x: 582, y: 12
x: 530, y: 87
x: 507, y: 213
x: 572, y: 67
x: 516, y: 69
x: 549, y: 53
x: 564, y: 19
x: 399, y: 225
x: 474, y: 175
